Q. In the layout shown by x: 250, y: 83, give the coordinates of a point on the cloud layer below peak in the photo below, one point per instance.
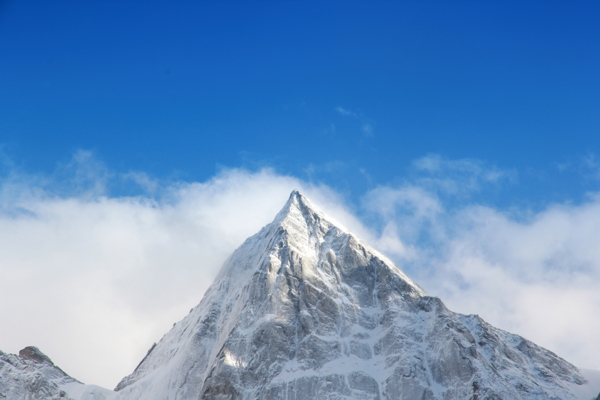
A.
x: 93, y: 279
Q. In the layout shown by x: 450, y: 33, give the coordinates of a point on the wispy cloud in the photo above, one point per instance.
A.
x: 345, y: 112
x: 313, y: 171
x: 459, y: 177
x: 366, y: 124
x: 586, y: 167
x: 367, y: 129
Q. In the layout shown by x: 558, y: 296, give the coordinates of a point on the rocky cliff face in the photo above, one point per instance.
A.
x: 33, y: 376
x: 306, y: 310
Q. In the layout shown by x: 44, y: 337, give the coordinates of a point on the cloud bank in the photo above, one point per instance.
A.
x: 532, y: 273
x: 93, y: 279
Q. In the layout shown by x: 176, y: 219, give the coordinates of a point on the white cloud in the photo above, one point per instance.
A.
x: 93, y: 279
x: 537, y: 276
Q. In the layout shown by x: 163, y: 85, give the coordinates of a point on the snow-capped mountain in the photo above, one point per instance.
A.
x: 305, y: 310
x: 31, y: 375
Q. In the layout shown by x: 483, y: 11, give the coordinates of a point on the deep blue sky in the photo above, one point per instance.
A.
x: 356, y: 89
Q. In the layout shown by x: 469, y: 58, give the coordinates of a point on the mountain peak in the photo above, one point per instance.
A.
x: 300, y: 218
x: 297, y: 205
x: 304, y: 309
x: 296, y: 194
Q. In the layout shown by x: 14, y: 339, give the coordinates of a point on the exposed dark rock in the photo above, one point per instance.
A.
x: 33, y: 353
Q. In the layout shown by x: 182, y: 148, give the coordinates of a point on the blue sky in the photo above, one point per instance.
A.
x: 357, y: 90
x: 141, y: 142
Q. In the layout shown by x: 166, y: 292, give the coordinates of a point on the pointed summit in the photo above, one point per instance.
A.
x: 297, y: 209
x: 296, y: 198
x: 297, y: 205
x: 304, y: 227
x: 304, y: 309
x: 297, y: 201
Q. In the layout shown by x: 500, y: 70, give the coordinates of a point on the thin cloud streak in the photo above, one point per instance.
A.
x: 367, y: 126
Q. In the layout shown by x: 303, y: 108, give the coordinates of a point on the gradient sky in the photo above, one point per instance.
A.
x: 136, y: 138
x: 343, y: 92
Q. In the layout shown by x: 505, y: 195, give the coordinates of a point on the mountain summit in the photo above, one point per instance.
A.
x: 305, y: 310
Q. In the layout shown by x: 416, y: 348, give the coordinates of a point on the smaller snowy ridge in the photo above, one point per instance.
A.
x: 32, y: 375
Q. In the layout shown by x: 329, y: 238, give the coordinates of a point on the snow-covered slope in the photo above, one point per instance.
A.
x: 31, y: 375
x: 305, y: 310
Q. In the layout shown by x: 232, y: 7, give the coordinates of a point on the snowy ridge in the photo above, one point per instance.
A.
x: 305, y: 310
x: 31, y: 375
